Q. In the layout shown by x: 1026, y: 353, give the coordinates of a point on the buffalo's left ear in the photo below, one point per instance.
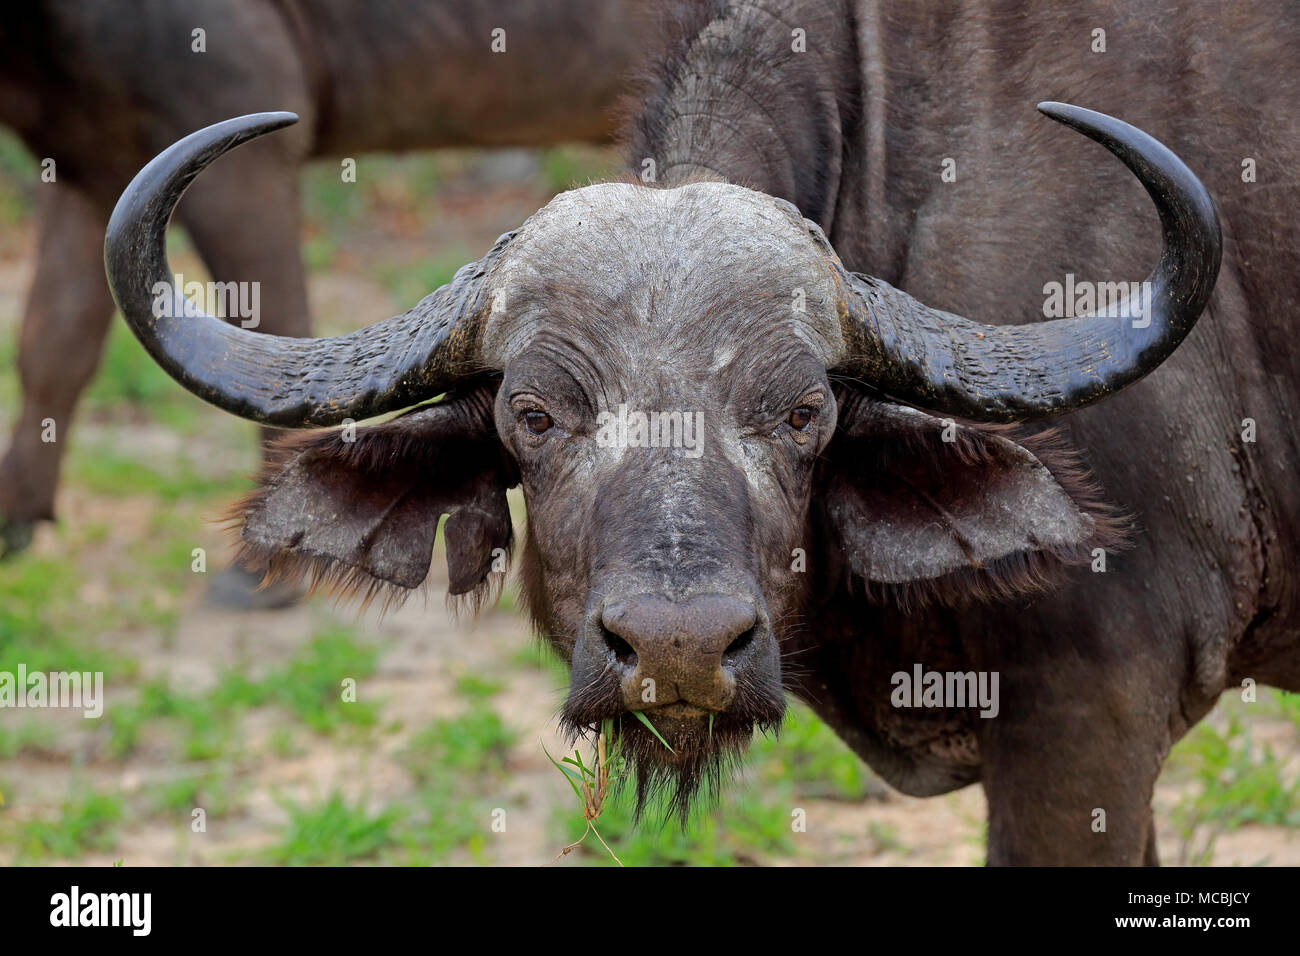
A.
x: 360, y: 511
x: 923, y: 508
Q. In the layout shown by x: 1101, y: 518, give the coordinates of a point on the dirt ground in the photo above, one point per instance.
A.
x: 424, y: 656
x: 425, y: 650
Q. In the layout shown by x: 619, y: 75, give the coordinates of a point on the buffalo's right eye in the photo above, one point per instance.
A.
x: 537, y: 422
x: 801, y: 418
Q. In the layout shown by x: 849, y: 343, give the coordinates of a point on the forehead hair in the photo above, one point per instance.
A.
x: 617, y: 262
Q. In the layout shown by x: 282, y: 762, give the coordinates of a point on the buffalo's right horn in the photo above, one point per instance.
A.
x: 1001, y: 373
x: 287, y: 382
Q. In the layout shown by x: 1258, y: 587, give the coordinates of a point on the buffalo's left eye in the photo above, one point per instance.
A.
x: 801, y: 418
x: 537, y: 422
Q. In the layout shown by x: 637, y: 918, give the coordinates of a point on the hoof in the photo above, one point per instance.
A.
x: 15, y: 536
x: 237, y: 589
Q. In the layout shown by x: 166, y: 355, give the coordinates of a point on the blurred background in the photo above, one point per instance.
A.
x: 240, y: 713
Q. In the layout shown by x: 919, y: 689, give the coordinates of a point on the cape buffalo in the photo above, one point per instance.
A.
x: 100, y: 86
x: 866, y: 502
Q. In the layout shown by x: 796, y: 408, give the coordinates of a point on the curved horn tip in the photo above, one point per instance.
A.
x: 1055, y: 108
x: 1089, y: 122
x: 251, y: 124
x: 274, y: 119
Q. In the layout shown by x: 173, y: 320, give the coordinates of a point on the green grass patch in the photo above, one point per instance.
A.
x: 309, y: 686
x: 333, y: 832
x: 30, y: 737
x: 409, y: 282
x: 104, y: 470
x: 569, y: 167
x: 753, y: 821
x: 20, y: 175
x: 42, y: 624
x: 745, y: 828
x: 403, y: 181
x: 1288, y: 706
x: 1240, y: 782
x: 809, y: 754
x: 453, y: 761
x: 535, y: 655
x: 477, y: 741
x: 477, y: 689
x: 180, y: 797
x: 204, y: 729
x: 84, y: 824
x: 128, y: 374
x: 10, y: 388
x: 444, y: 821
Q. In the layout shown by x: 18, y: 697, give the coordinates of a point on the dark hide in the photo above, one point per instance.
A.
x: 920, y: 552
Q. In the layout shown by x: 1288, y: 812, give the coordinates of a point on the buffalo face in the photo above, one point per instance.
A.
x: 665, y: 400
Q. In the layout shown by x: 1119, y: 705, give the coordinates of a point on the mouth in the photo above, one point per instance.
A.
x: 681, y: 735
x: 678, y: 711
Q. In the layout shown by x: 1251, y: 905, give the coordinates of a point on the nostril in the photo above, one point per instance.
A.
x: 623, y: 651
x: 739, y: 644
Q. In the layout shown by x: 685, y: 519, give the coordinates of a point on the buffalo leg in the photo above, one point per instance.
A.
x: 62, y: 337
x: 1071, y: 761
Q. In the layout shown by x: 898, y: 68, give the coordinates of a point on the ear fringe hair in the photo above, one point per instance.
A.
x: 345, y: 583
x: 1013, y: 577
x: 326, y: 575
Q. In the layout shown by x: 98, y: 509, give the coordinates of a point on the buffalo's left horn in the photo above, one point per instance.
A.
x: 998, y: 373
x: 288, y: 382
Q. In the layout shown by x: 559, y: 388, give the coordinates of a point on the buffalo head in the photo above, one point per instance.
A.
x: 700, y: 402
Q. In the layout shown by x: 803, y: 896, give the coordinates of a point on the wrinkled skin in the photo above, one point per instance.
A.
x: 102, y: 85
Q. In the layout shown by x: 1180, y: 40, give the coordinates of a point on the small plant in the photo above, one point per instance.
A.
x: 477, y: 689
x: 476, y: 741
x: 84, y: 823
x: 591, y: 784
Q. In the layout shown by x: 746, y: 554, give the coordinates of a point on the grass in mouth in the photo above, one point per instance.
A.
x: 639, y: 715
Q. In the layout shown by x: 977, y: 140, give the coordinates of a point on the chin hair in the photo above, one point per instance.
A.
x: 692, y: 775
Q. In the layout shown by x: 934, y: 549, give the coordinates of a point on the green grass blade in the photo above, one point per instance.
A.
x: 639, y: 715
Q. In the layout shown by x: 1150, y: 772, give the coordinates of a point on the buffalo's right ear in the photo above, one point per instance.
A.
x: 922, y: 509
x: 361, y: 515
